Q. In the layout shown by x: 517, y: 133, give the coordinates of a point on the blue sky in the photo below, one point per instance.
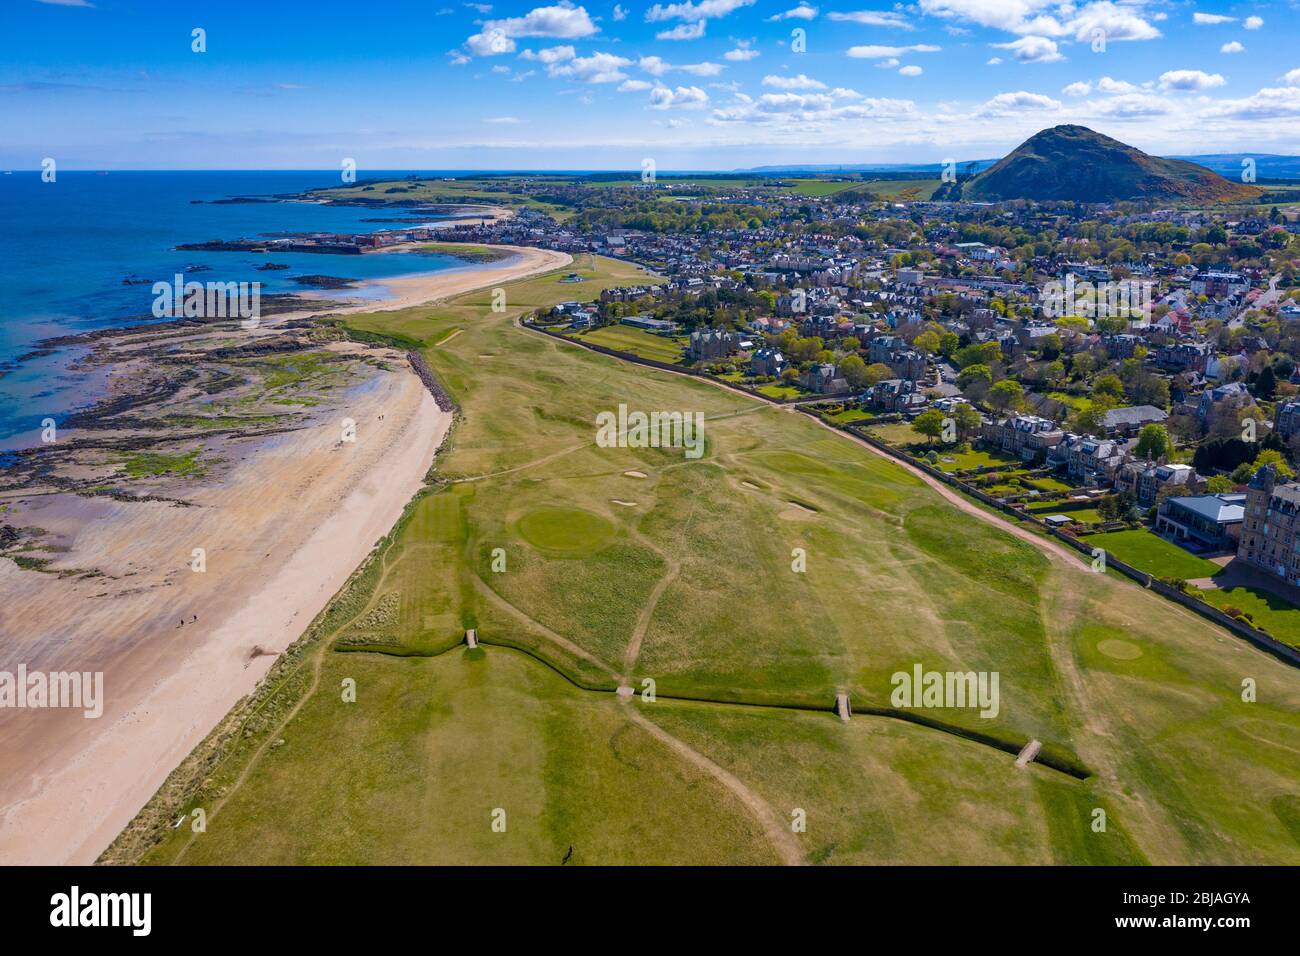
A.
x: 713, y: 84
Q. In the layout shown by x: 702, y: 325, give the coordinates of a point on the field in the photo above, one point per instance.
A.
x: 583, y: 568
x: 626, y: 338
x: 1153, y: 554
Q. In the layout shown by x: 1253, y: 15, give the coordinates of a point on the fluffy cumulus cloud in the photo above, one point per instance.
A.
x: 741, y: 53
x: 1011, y: 104
x: 1253, y: 23
x: 1232, y: 47
x: 802, y: 12
x: 1132, y: 106
x: 1081, y: 88
x: 1273, y: 103
x: 812, y: 109
x: 597, y: 68
x: 1211, y: 19
x: 872, y: 18
x: 683, y: 31
x: 563, y: 20
x: 1051, y: 18
x: 1190, y: 80
x: 799, y: 82
x: 911, y: 70
x: 1032, y: 49
x: 1292, y: 77
x: 658, y: 66
x: 878, y: 52
x: 694, y: 12
x: 553, y: 54
x: 683, y: 97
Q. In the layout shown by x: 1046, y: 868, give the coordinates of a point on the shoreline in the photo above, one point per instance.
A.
x: 69, y: 786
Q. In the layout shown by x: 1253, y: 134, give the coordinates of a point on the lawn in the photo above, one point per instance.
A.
x: 1280, y: 618
x: 583, y: 567
x: 1153, y: 554
x: 625, y: 338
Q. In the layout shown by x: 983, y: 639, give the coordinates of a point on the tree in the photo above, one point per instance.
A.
x: 1218, y: 485
x: 927, y: 343
x: 877, y: 373
x: 974, y: 373
x: 930, y: 424
x: 968, y: 419
x: 1108, y: 386
x: 1266, y: 384
x: 1006, y: 395
x: 1153, y: 443
x: 854, y: 371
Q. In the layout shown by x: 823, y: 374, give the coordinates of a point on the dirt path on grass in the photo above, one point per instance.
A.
x: 781, y: 838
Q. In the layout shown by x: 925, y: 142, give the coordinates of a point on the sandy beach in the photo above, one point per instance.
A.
x: 283, y: 521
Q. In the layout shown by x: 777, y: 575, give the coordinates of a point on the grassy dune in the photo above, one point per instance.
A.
x: 684, y: 577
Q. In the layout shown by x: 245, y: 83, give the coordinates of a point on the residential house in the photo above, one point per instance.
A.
x: 767, y: 362
x: 1214, y: 521
x: 1269, y: 532
x: 1026, y: 436
x: 824, y: 379
x: 1127, y: 422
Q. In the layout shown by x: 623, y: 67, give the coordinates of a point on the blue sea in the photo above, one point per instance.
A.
x: 67, y: 246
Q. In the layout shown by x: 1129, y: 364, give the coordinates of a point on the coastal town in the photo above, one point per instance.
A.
x: 1123, y: 372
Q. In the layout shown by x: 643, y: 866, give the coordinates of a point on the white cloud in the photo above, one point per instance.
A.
x: 1253, y: 23
x: 1033, y: 49
x: 634, y: 86
x: 551, y: 54
x: 1190, y: 80
x: 873, y: 18
x: 910, y: 71
x: 799, y: 82
x: 888, y: 64
x: 1132, y: 105
x: 802, y: 12
x: 1008, y: 104
x: 503, y: 120
x: 993, y: 61
x: 694, y: 12
x: 1107, y: 85
x: 683, y: 97
x: 1292, y: 77
x: 1271, y: 103
x: 1114, y: 20
x: 811, y: 108
x: 1081, y: 88
x: 597, y: 68
x: 1211, y: 19
x: 658, y: 66
x: 500, y: 69
x: 563, y: 20
x: 683, y: 31
x: 741, y: 53
x: 877, y: 52
x: 1232, y: 47
x: 619, y: 13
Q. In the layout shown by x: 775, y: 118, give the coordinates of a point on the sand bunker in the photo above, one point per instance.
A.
x: 635, y: 474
